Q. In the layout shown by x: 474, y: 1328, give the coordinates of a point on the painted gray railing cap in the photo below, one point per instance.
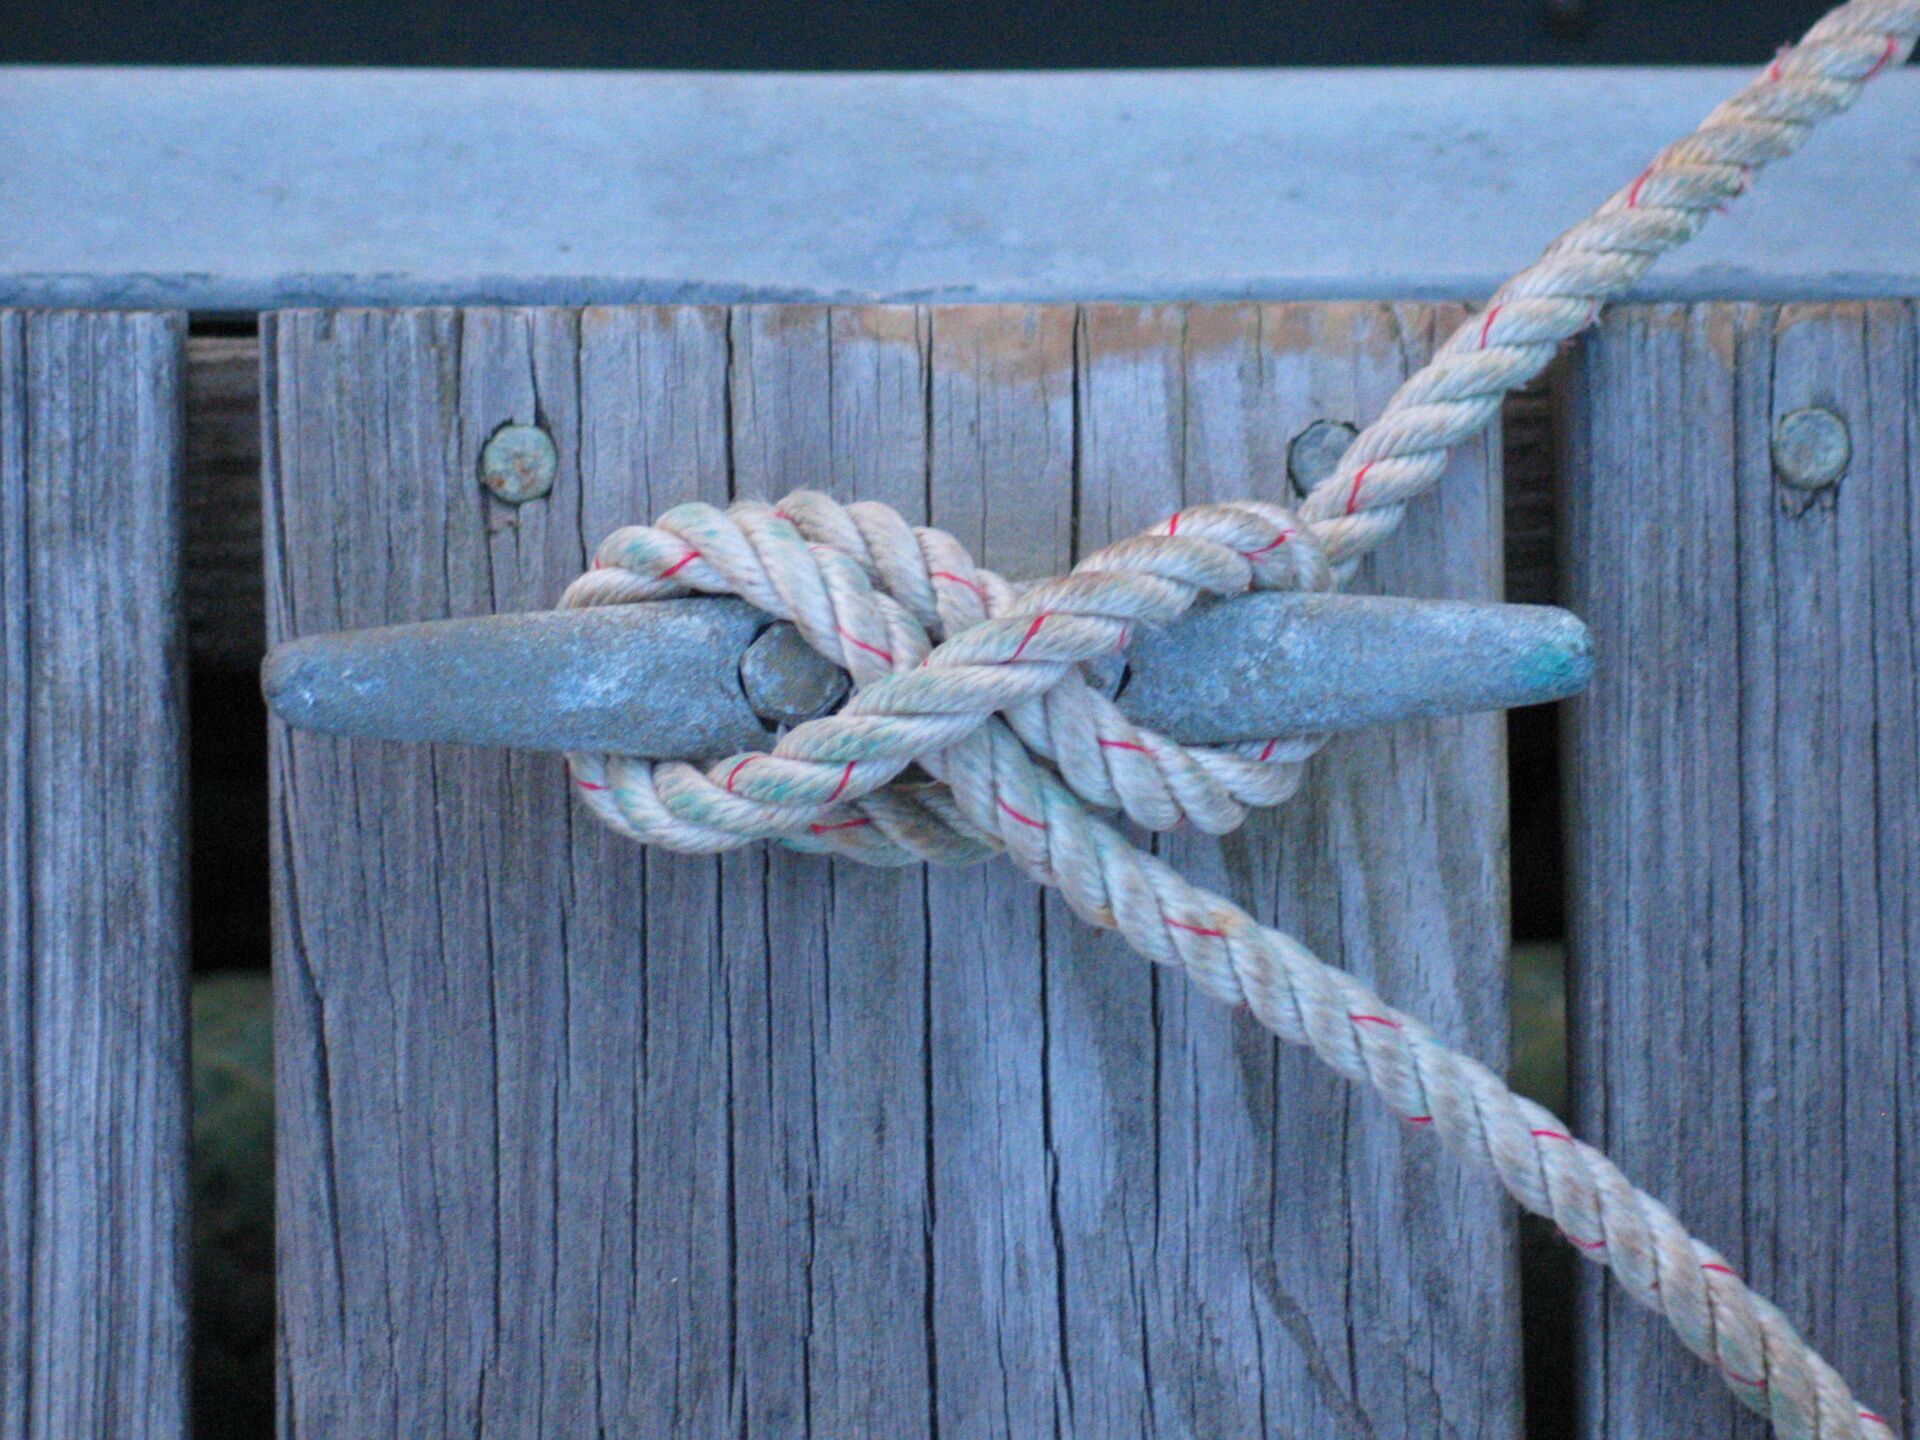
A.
x: 237, y: 190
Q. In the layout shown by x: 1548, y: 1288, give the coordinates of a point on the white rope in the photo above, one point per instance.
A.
x: 979, y: 684
x: 1404, y: 452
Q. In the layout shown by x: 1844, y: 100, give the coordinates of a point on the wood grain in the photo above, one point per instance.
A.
x: 226, y: 623
x: 835, y: 1276
x: 1001, y: 480
x: 93, y: 1020
x: 1746, y: 846
x: 578, y: 1137
x: 1273, y: 1223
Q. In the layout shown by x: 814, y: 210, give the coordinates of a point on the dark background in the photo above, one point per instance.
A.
x: 901, y: 34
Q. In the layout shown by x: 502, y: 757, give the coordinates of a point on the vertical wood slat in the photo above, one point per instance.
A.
x: 1001, y: 481
x: 93, y: 1019
x: 578, y: 1136
x: 830, y: 996
x: 1745, y: 1017
x: 1372, y: 1293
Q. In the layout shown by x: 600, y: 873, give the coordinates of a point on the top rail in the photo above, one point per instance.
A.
x: 238, y: 189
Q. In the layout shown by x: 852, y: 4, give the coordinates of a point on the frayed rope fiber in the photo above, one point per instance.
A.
x: 978, y: 682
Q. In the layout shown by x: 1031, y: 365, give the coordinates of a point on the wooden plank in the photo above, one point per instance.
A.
x: 774, y: 1145
x: 656, y: 1216
x: 1298, y: 1263
x: 1745, y: 850
x: 1001, y: 479
x: 830, y: 1011
x: 93, y: 1021
x: 142, y: 186
x: 503, y: 1162
x: 226, y: 622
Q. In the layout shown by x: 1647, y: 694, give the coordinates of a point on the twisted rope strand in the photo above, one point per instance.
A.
x: 995, y: 794
x: 979, y: 683
x: 1000, y: 654
x: 1403, y: 453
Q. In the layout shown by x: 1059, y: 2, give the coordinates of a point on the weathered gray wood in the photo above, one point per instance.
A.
x: 226, y: 623
x: 240, y: 190
x: 93, y: 1020
x: 1746, y: 845
x: 578, y: 1137
x: 1001, y: 477
x: 504, y: 1179
x: 835, y: 1279
x: 1263, y: 1249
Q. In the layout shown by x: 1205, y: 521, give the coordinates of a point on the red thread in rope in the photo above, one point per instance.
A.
x: 1023, y: 819
x: 1893, y: 44
x: 587, y: 784
x: 1125, y: 745
x: 1876, y: 1419
x: 1267, y: 752
x: 1197, y: 929
x: 1585, y: 1244
x: 1719, y: 1269
x: 960, y: 580
x: 1285, y: 535
x: 1487, y: 324
x: 1633, y: 194
x: 1391, y: 1024
x: 1739, y: 1379
x: 841, y: 825
x: 680, y: 564
x: 855, y: 640
x: 731, y: 774
x: 1419, y: 1119
x: 845, y: 776
x: 1561, y: 1136
x: 1353, y: 495
x: 1173, y: 525
x: 1032, y: 630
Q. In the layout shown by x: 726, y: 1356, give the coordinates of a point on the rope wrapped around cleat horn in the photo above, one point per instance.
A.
x: 982, y: 688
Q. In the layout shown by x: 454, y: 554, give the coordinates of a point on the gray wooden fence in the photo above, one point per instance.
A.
x: 580, y: 1140
x: 93, y: 1054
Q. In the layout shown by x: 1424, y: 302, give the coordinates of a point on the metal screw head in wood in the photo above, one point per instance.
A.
x: 1811, y: 448
x: 702, y: 678
x: 518, y: 463
x: 1315, y: 452
x: 786, y: 681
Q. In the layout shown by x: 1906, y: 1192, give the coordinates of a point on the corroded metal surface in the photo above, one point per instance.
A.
x: 1305, y: 664
x: 659, y: 679
x: 665, y: 679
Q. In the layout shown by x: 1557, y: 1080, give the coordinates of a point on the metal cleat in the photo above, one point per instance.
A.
x: 702, y: 678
